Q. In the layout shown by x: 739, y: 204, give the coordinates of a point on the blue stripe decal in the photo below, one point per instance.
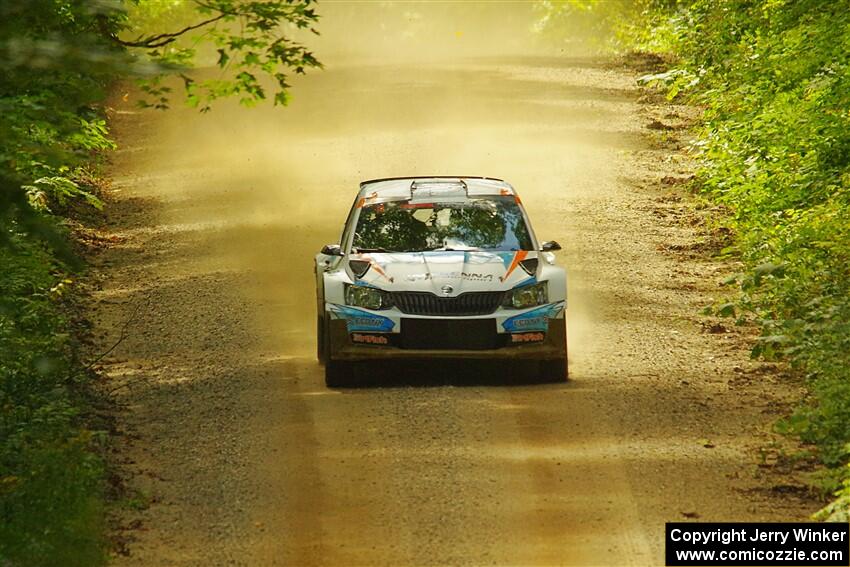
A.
x: 359, y: 320
x: 534, y: 320
x: 506, y: 257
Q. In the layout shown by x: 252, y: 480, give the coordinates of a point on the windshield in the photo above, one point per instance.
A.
x: 486, y: 223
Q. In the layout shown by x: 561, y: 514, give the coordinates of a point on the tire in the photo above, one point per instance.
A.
x: 338, y: 374
x: 554, y: 371
x: 321, y: 340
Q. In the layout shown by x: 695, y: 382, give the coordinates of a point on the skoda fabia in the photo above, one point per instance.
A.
x: 439, y: 267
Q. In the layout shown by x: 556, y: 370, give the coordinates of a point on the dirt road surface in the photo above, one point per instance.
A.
x: 234, y: 451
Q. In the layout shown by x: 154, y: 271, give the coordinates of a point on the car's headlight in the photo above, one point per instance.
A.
x: 527, y: 296
x: 366, y: 297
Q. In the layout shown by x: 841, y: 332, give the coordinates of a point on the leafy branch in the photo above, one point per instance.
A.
x: 163, y: 39
x: 252, y: 52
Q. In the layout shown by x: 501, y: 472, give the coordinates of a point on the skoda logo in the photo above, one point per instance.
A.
x: 447, y: 289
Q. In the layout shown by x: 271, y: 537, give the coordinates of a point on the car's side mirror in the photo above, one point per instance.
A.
x: 550, y: 246
x: 331, y: 250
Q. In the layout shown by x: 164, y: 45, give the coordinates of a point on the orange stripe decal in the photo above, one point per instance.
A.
x: 518, y: 257
x: 376, y: 267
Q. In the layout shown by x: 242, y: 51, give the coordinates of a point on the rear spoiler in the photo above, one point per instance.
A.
x: 460, y: 178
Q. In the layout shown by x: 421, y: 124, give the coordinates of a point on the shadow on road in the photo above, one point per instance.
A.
x: 463, y: 373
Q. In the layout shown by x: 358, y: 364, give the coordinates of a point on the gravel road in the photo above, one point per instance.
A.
x: 236, y: 454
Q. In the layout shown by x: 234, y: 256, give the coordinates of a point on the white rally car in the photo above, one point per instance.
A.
x: 443, y: 267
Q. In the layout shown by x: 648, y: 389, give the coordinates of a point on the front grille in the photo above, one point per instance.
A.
x: 465, y: 304
x: 450, y: 334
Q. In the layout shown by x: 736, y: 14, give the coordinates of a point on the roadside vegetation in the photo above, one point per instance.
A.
x: 58, y: 61
x: 773, y: 79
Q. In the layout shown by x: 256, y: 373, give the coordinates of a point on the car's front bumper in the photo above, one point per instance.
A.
x: 553, y: 346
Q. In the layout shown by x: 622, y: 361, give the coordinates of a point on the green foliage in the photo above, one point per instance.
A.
x: 59, y: 189
x: 50, y: 510
x: 774, y: 79
x: 839, y: 509
x: 613, y: 24
x: 775, y: 82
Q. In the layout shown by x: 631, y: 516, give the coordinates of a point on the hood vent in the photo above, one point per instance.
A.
x: 359, y: 267
x: 530, y: 266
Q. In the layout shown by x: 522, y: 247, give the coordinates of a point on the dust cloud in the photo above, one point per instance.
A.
x: 421, y: 32
x: 408, y: 89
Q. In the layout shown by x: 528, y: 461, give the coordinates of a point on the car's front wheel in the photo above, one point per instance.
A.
x: 322, y: 339
x: 338, y: 374
x: 555, y: 370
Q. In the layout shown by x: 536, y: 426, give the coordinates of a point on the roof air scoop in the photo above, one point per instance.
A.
x: 424, y: 190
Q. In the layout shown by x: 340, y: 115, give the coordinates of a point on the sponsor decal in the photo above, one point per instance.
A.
x: 476, y: 277
x: 367, y: 322
x: 369, y: 339
x: 467, y: 276
x: 527, y: 337
x: 534, y: 320
x: 531, y: 323
x: 358, y: 320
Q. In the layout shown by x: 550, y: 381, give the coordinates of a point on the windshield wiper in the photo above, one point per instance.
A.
x: 357, y: 250
x: 450, y: 249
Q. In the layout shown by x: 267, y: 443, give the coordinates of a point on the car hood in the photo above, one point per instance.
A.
x: 438, y: 271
